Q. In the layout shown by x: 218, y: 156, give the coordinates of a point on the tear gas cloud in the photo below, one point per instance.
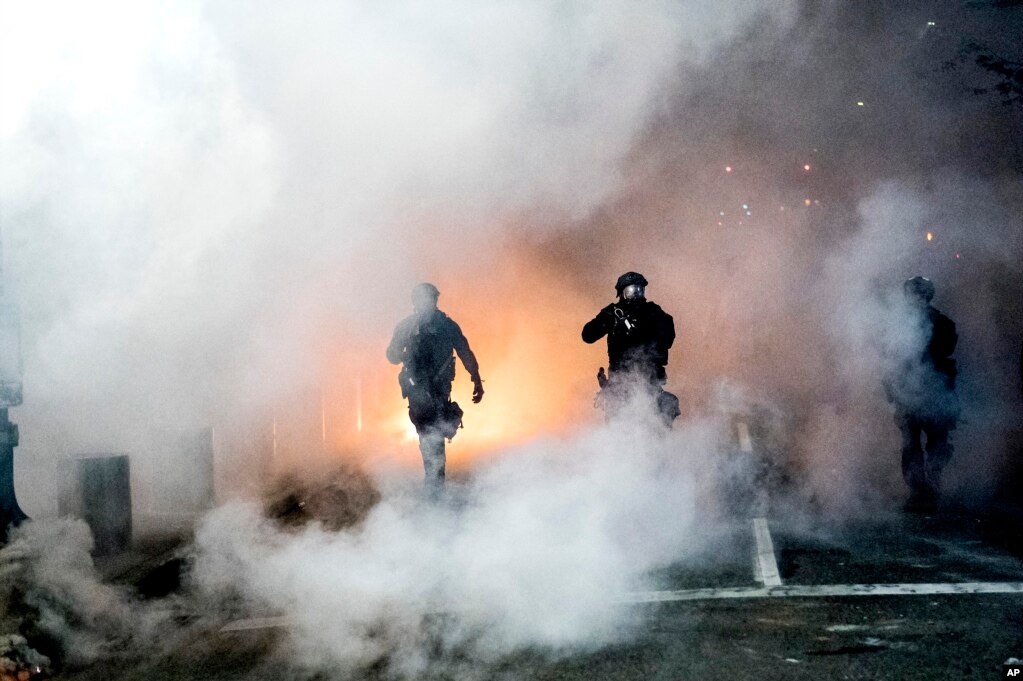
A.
x: 545, y: 540
x: 201, y: 201
x: 50, y: 566
x: 213, y: 214
x: 551, y: 534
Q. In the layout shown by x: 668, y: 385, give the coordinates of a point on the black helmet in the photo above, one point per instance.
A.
x: 424, y: 298
x: 628, y: 279
x: 425, y: 289
x: 919, y: 287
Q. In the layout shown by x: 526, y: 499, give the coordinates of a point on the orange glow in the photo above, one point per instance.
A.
x: 807, y: 202
x: 930, y: 236
x: 402, y: 424
x: 728, y: 169
x: 529, y: 390
x: 522, y: 313
x: 358, y: 405
x: 806, y: 167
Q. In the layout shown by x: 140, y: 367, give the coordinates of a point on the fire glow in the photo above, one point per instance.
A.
x: 358, y: 410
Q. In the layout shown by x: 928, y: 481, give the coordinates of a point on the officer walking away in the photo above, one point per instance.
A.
x: 921, y: 387
x: 639, y: 335
x: 424, y: 344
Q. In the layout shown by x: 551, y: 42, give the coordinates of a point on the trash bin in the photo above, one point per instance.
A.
x: 97, y: 489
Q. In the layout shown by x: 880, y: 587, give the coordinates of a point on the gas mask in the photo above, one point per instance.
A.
x: 633, y: 292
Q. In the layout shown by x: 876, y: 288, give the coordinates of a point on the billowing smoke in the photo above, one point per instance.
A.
x: 783, y: 193
x: 51, y: 585
x: 539, y: 553
x: 213, y: 214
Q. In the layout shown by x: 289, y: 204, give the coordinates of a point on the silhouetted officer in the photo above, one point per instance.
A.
x: 424, y: 344
x: 922, y: 389
x: 639, y: 335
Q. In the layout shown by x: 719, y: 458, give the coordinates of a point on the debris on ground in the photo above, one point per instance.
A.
x: 338, y: 500
x: 18, y: 661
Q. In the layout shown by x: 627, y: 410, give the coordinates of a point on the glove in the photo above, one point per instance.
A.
x: 622, y: 322
x: 477, y: 392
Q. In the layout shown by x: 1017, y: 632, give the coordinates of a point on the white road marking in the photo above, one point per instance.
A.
x: 252, y: 623
x: 750, y: 592
x: 745, y: 443
x: 827, y: 591
x: 765, y: 567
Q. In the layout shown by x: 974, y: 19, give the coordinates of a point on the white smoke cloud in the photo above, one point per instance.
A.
x: 544, y: 541
x: 853, y: 445
x: 49, y: 574
x: 534, y: 553
x: 194, y: 191
x: 196, y: 187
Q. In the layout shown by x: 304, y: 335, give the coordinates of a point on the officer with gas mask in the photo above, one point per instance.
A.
x: 639, y: 335
x: 425, y: 344
x: 920, y: 384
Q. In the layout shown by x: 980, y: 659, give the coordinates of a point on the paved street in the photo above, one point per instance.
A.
x: 906, y: 597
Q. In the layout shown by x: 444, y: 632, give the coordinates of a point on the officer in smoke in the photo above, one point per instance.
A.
x: 921, y: 387
x: 639, y: 335
x: 424, y: 344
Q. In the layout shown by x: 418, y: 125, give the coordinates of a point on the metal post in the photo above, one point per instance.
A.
x: 10, y: 396
x: 10, y: 512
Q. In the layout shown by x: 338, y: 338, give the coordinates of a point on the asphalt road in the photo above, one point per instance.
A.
x: 907, y: 596
x: 911, y: 636
x: 733, y: 627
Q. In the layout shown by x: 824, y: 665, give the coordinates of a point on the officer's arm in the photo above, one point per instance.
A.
x: 665, y: 332
x: 599, y: 326
x: 461, y: 345
x: 396, y: 349
x: 945, y: 338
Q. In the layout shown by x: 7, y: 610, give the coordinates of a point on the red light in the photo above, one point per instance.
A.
x: 728, y: 169
x: 806, y: 167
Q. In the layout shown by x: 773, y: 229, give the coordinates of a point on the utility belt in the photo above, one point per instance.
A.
x: 430, y: 407
x: 613, y: 390
x: 409, y: 380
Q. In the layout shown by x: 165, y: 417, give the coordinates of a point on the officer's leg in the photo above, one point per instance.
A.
x: 431, y: 445
x: 424, y: 411
x: 912, y: 454
x: 939, y: 451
